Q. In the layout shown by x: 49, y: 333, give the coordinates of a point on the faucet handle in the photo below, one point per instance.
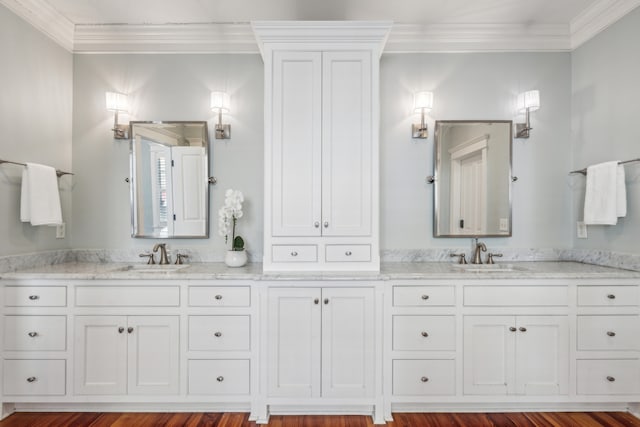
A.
x: 462, y: 258
x: 150, y: 256
x: 180, y: 257
x: 490, y: 257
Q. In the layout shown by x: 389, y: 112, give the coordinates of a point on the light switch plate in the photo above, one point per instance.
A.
x: 581, y: 230
x: 61, y: 231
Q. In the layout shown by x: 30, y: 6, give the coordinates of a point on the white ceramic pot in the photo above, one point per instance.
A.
x: 236, y: 258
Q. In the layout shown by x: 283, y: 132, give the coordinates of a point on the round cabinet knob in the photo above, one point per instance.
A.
x: 424, y: 334
x: 425, y: 297
x: 120, y: 330
x: 316, y: 224
x: 611, y: 333
x: 611, y: 379
x: 316, y: 301
x: 218, y: 334
x: 220, y: 379
x: 294, y: 253
x: 512, y: 329
x: 218, y: 297
x: 424, y: 379
x: 523, y: 329
x: 611, y: 296
x: 33, y: 334
x: 348, y: 253
x: 34, y: 297
x: 326, y: 224
x: 31, y: 379
x: 130, y: 329
x: 326, y: 300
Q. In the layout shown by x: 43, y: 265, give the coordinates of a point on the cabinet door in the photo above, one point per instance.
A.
x: 348, y: 353
x: 346, y: 144
x: 294, y: 342
x: 542, y: 355
x: 296, y: 150
x: 100, y: 355
x: 153, y: 354
x: 489, y: 352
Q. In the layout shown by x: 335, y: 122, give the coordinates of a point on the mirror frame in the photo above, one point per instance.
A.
x: 133, y: 188
x: 436, y: 176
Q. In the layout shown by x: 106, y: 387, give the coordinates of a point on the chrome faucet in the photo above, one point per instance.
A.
x: 480, y: 247
x: 163, y: 253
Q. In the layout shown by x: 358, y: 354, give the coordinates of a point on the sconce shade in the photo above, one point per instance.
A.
x: 117, y: 102
x: 220, y: 102
x: 528, y: 100
x: 422, y: 101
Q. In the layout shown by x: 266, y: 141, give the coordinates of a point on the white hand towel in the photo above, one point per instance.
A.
x: 605, y: 197
x: 40, y: 203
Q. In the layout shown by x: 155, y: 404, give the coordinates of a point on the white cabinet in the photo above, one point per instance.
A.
x: 126, y: 355
x: 321, y: 342
x: 525, y: 355
x: 321, y: 145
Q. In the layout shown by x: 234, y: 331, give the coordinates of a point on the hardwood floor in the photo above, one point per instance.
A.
x: 528, y: 419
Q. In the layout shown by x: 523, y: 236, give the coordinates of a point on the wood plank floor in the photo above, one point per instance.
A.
x: 527, y: 419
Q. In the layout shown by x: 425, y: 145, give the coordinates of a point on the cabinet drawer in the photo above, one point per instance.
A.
x: 610, y: 376
x: 409, y: 296
x: 480, y: 295
x: 35, y: 296
x: 294, y: 253
x: 219, y: 296
x: 34, y: 377
x: 424, y: 377
x: 219, y: 333
x: 608, y: 296
x: 608, y: 332
x: 348, y: 253
x: 128, y: 296
x: 35, y: 333
x: 424, y: 333
x: 219, y: 377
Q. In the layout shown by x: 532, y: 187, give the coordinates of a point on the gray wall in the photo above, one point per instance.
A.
x: 605, y: 117
x: 35, y: 120
x: 164, y: 87
x: 476, y: 86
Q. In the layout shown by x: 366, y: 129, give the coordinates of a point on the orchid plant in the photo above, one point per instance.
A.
x: 228, y: 215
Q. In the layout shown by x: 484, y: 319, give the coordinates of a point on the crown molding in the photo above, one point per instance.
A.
x: 45, y: 18
x: 597, y: 17
x: 165, y: 38
x: 406, y: 38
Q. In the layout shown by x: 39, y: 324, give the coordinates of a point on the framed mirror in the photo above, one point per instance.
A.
x: 169, y: 179
x: 472, y: 194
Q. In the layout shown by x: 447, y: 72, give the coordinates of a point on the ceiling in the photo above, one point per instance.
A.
x: 86, y: 26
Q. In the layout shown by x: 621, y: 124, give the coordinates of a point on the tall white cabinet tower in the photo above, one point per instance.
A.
x: 321, y: 144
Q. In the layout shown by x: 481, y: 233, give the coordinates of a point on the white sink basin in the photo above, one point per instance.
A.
x: 155, y: 268
x: 487, y: 268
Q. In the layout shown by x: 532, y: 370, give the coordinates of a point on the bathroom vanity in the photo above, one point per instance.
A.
x: 414, y: 337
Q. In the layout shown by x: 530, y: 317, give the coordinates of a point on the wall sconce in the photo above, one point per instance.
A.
x: 220, y: 102
x: 527, y: 102
x: 118, y: 102
x: 422, y: 103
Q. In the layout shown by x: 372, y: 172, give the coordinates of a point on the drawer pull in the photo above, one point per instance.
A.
x: 512, y: 329
x: 31, y: 379
x: 120, y: 329
x: 316, y: 301
x: 294, y: 253
x: 348, y: 253
x: 218, y: 334
x: 611, y: 379
x: 523, y: 329
x: 424, y: 334
x: 424, y: 379
x: 425, y: 297
x: 33, y: 334
x: 611, y: 296
x: 34, y: 297
x: 220, y: 379
x: 130, y: 329
x: 218, y: 297
x: 611, y: 333
x: 326, y: 300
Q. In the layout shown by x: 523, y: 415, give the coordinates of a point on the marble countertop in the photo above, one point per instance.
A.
x: 388, y: 271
